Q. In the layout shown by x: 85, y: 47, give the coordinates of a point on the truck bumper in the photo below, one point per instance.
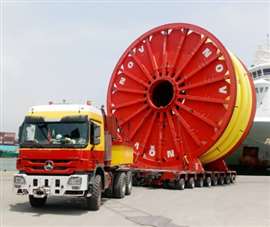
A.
x: 41, y: 186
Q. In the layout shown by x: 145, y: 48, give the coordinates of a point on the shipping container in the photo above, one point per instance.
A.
x: 8, y: 138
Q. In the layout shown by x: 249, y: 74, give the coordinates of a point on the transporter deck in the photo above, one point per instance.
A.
x: 182, y: 179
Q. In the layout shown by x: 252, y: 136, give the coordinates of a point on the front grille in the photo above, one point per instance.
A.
x: 55, y: 168
x: 58, y: 165
x: 44, y: 160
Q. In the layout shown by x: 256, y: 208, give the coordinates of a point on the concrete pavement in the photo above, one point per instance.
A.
x: 245, y: 203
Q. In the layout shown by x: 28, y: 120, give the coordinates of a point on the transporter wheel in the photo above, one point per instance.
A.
x: 227, y: 180
x: 135, y: 180
x: 171, y: 185
x: 214, y: 181
x: 120, y: 185
x: 208, y: 182
x: 233, y: 179
x: 221, y: 180
x: 191, y: 182
x: 94, y: 201
x: 199, y: 182
x: 165, y: 184
x: 37, y: 202
x: 180, y: 184
x: 128, y: 183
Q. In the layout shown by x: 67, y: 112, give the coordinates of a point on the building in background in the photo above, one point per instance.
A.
x: 8, y: 144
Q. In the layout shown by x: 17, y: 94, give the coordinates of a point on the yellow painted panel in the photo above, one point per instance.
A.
x: 121, y: 154
x: 239, y: 120
x: 60, y: 114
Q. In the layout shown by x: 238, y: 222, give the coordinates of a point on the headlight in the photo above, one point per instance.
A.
x: 19, y: 180
x: 75, y: 181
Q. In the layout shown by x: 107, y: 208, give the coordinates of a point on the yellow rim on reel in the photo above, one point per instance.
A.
x: 240, y: 118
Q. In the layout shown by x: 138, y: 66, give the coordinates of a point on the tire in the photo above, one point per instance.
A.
x: 227, y: 180
x: 233, y: 179
x: 135, y: 181
x: 221, y: 180
x: 94, y: 201
x: 180, y: 184
x: 108, y: 193
x: 171, y: 185
x: 119, y: 189
x: 37, y: 202
x: 214, y: 181
x: 208, y: 182
x: 191, y: 182
x: 128, y: 183
x: 199, y: 182
x: 165, y: 184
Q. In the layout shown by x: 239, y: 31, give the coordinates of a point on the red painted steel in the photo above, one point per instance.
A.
x: 172, y: 92
x: 65, y: 161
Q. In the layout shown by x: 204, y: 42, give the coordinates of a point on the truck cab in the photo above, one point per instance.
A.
x: 68, y: 150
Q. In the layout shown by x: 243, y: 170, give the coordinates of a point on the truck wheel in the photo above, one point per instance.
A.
x: 37, y: 202
x: 233, y: 178
x: 93, y: 202
x: 108, y: 193
x: 180, y: 184
x: 191, y: 182
x: 128, y: 183
x: 120, y: 185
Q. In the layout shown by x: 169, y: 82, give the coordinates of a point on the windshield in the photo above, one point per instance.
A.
x: 54, y: 134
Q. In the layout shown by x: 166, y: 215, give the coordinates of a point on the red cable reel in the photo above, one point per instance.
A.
x: 172, y: 92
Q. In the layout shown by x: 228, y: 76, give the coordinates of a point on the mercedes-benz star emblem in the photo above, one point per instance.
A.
x: 48, y: 165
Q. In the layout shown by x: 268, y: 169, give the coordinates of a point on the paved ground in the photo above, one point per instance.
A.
x: 246, y: 203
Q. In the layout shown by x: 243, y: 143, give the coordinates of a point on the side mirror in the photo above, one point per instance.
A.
x: 94, y: 134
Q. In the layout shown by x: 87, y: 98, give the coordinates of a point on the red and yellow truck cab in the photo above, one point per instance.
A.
x: 70, y: 150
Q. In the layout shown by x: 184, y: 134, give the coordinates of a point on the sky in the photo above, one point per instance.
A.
x: 55, y: 50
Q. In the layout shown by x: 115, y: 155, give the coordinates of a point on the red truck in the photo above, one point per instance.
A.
x: 71, y: 150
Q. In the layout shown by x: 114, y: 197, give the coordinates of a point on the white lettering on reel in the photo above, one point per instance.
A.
x: 122, y: 81
x: 141, y: 49
x: 130, y: 64
x: 207, y: 52
x: 219, y: 68
x: 223, y: 90
x: 152, y: 151
x: 136, y: 145
x: 170, y: 153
